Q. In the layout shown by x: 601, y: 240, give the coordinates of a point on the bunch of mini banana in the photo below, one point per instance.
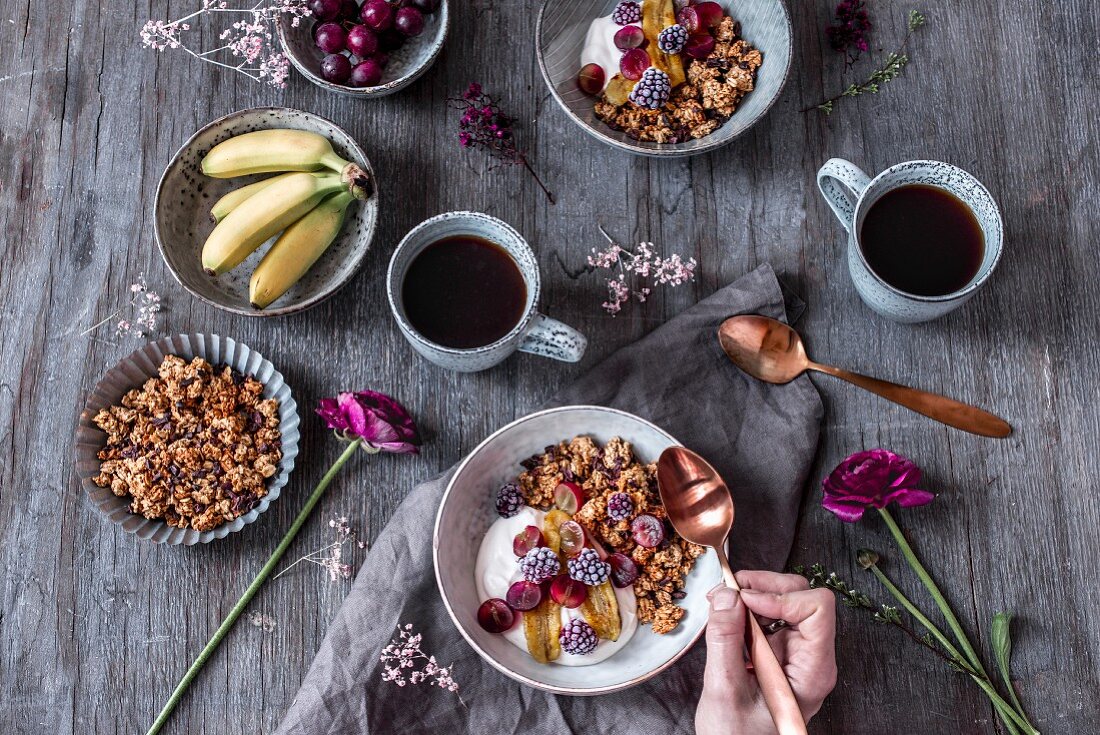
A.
x: 306, y: 205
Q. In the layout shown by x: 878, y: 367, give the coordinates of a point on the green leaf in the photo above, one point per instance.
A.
x: 1001, y: 638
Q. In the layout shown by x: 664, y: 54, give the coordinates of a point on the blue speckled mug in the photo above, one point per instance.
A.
x: 533, y: 333
x: 851, y: 193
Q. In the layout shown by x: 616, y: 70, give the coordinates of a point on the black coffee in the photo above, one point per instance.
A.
x: 922, y: 240
x: 463, y: 292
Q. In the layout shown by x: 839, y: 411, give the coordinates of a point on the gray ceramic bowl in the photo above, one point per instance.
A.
x: 131, y: 373
x: 181, y: 220
x: 467, y: 510
x: 405, y: 65
x: 559, y: 38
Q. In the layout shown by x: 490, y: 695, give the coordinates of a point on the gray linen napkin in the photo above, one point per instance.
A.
x: 761, y: 438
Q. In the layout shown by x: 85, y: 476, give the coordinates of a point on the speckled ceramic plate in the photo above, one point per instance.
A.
x: 467, y: 510
x: 559, y: 39
x: 404, y: 67
x: 182, y: 221
x: 131, y: 373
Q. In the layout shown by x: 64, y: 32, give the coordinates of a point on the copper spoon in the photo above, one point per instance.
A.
x: 771, y: 351
x: 700, y: 508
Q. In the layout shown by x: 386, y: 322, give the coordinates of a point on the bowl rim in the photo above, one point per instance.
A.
x: 286, y: 463
x: 380, y: 90
x: 671, y: 150
x: 357, y: 152
x: 572, y: 691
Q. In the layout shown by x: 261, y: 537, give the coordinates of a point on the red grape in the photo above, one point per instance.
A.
x: 567, y: 591
x: 495, y: 615
x: 629, y: 37
x: 390, y: 40
x: 362, y: 42
x: 349, y: 10
x: 367, y: 73
x: 331, y: 38
x: 700, y: 45
x: 689, y: 19
x: 377, y: 14
x: 524, y: 595
x: 623, y: 570
x: 634, y: 62
x: 568, y: 496
x: 325, y: 9
x: 426, y: 6
x: 647, y: 530
x: 572, y: 538
x: 336, y: 68
x: 590, y: 79
x: 710, y: 14
x: 409, y: 21
x: 529, y: 538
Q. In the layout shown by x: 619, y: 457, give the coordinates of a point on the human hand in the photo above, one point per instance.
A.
x: 731, y: 702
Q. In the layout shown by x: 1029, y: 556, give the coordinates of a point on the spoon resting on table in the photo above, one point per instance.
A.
x: 769, y: 350
x: 700, y: 508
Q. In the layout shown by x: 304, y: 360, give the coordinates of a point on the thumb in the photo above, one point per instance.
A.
x: 726, y: 673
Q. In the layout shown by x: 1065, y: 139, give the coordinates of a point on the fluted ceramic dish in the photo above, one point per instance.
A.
x: 404, y: 67
x: 467, y: 510
x: 135, y: 370
x: 559, y: 38
x: 181, y: 217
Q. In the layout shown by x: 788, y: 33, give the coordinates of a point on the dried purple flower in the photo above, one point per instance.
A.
x: 380, y: 421
x: 848, y: 33
x: 484, y: 125
x: 872, y: 479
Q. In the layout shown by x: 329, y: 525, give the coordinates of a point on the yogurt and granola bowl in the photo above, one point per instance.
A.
x: 554, y: 558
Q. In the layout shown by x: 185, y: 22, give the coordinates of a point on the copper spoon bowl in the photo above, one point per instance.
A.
x: 769, y: 350
x: 700, y: 508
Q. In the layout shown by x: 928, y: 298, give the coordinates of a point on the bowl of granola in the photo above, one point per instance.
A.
x: 187, y: 440
x: 665, y: 78
x: 555, y: 560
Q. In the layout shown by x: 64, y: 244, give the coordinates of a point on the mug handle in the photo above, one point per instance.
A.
x: 835, y: 180
x: 550, y: 338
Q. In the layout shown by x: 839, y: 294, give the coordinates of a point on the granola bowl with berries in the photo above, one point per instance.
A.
x: 665, y: 77
x: 555, y: 560
x: 187, y: 440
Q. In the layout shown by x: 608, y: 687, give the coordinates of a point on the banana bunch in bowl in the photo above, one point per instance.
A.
x: 305, y: 201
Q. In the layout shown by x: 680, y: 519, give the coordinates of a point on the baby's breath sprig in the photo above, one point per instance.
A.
x: 890, y: 70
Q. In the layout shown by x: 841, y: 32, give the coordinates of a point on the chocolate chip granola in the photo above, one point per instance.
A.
x: 194, y: 446
x: 602, y: 472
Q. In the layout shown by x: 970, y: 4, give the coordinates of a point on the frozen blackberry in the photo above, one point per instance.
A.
x: 586, y: 567
x: 509, y: 500
x: 578, y: 638
x: 627, y: 12
x: 619, y: 507
x: 652, y: 90
x: 540, y: 564
x: 672, y: 39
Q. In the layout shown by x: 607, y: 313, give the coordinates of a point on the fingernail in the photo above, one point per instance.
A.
x: 724, y: 599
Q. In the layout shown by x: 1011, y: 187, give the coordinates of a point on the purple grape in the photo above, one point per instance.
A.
x: 409, y: 21
x: 376, y: 14
x: 362, y: 42
x: 331, y: 38
x: 390, y: 40
x: 336, y: 68
x: 349, y: 10
x: 426, y: 6
x: 629, y: 37
x: 367, y: 73
x: 325, y: 9
x: 381, y: 57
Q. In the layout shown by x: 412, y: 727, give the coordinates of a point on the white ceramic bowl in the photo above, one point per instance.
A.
x: 467, y: 510
x: 404, y: 67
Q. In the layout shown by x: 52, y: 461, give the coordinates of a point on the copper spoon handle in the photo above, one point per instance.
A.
x: 769, y: 674
x: 942, y: 409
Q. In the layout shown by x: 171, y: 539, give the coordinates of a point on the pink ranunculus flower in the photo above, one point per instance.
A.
x: 380, y: 421
x: 872, y: 479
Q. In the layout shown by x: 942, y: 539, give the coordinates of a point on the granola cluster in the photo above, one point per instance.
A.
x: 602, y: 472
x: 714, y: 89
x: 194, y: 446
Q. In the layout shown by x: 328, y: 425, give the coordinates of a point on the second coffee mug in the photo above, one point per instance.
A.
x: 532, y: 332
x: 851, y: 194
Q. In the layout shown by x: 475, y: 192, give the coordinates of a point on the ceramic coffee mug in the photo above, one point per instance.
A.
x: 851, y: 193
x: 533, y: 333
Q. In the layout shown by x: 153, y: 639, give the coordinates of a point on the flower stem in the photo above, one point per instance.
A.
x: 527, y: 165
x: 253, y: 588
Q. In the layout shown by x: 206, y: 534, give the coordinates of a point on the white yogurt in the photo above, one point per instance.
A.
x: 497, y: 569
x: 600, y: 48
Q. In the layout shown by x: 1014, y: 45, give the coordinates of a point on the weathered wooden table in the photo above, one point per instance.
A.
x: 97, y: 627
